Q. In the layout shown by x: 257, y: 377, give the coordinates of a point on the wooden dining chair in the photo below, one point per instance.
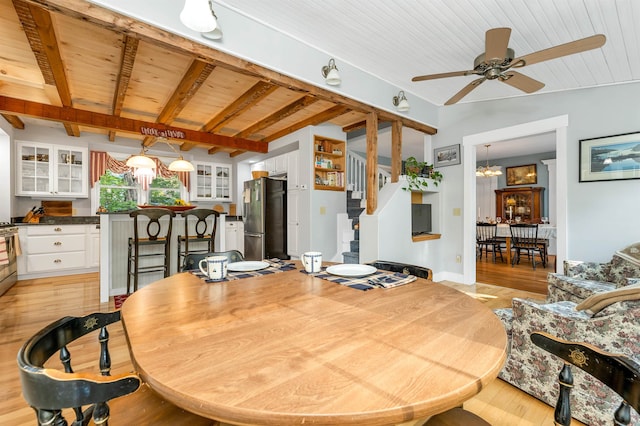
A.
x: 192, y: 260
x: 142, y: 254
x: 202, y: 239
x: 58, y: 393
x: 524, y: 237
x: 486, y: 237
x: 618, y: 372
x: 404, y: 268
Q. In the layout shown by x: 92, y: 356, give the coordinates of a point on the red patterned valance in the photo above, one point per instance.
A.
x: 101, y: 161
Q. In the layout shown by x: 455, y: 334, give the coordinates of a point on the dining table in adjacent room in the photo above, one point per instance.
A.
x: 545, y: 232
x: 292, y: 348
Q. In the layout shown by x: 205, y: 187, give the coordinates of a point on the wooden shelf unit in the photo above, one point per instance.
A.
x: 329, y: 164
x: 524, y: 201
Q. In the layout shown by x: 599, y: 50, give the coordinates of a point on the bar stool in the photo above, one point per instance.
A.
x: 151, y: 238
x: 203, y: 233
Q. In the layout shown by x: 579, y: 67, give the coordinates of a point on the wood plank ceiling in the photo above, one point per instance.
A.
x: 95, y: 71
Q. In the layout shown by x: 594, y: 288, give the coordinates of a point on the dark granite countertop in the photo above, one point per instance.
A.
x: 61, y: 220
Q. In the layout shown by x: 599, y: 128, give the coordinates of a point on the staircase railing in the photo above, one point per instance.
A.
x: 357, y: 173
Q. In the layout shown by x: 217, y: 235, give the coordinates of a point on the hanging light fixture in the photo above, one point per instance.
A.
x: 179, y: 165
x: 488, y: 171
x: 400, y: 102
x: 330, y: 73
x: 141, y: 161
x: 198, y: 15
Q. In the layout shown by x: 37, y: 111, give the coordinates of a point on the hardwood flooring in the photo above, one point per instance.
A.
x: 32, y: 304
x: 519, y: 277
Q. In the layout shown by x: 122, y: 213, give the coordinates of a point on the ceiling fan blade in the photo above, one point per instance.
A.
x: 522, y: 82
x: 441, y: 75
x: 465, y: 91
x: 577, y: 46
x: 496, y: 44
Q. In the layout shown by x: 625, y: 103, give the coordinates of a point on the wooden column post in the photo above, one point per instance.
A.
x: 396, y: 150
x: 372, y: 162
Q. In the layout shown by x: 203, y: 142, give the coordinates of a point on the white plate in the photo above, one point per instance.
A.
x: 249, y: 265
x: 351, y: 270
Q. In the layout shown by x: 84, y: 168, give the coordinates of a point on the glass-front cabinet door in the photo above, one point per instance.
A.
x: 51, y: 170
x: 212, y: 181
x: 34, y: 169
x: 223, y: 182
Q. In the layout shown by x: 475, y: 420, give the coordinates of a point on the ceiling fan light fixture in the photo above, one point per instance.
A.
x: 198, y: 15
x: 331, y: 74
x: 400, y: 102
x: 488, y: 171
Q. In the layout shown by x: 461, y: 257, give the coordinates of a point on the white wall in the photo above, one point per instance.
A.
x: 601, y: 216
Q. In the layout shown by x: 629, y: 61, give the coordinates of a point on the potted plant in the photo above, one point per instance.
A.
x: 416, y: 172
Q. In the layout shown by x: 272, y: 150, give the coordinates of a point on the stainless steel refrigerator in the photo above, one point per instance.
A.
x: 265, y: 219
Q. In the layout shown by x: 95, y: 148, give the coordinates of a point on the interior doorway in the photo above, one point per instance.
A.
x: 558, y: 125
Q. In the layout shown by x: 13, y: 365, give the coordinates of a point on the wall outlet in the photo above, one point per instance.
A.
x: 458, y: 259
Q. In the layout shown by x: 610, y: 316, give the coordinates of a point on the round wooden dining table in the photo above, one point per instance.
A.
x: 290, y: 349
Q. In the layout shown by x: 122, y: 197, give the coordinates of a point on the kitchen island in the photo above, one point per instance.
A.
x: 115, y: 230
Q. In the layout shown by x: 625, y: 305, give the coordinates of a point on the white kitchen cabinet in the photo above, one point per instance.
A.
x: 51, y: 170
x: 234, y: 235
x: 49, y: 250
x: 293, y: 161
x: 211, y: 182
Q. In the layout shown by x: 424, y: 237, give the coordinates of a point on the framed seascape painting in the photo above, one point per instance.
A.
x: 446, y: 156
x: 522, y: 175
x: 614, y: 157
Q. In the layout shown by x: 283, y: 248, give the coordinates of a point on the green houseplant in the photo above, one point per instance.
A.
x: 416, y: 172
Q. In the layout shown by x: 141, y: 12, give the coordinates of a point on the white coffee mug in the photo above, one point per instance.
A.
x: 312, y: 261
x: 215, y: 268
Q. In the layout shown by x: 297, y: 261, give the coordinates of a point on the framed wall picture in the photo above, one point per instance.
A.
x: 446, y: 156
x: 522, y: 175
x: 610, y: 158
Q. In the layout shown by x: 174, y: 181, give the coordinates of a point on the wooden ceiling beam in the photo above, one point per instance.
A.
x: 40, y: 33
x: 110, y: 122
x: 255, y: 94
x: 127, y: 60
x: 277, y: 116
x: 14, y: 120
x: 81, y: 9
x: 236, y: 153
x: 319, y: 118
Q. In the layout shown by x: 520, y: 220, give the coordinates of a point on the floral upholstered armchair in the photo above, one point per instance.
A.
x: 579, y: 307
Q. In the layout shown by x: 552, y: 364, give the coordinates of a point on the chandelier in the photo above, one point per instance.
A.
x: 488, y: 171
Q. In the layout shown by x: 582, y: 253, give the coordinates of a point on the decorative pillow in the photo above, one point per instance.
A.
x: 599, y: 301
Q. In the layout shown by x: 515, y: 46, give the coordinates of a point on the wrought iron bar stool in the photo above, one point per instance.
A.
x: 153, y: 236
x: 203, y: 233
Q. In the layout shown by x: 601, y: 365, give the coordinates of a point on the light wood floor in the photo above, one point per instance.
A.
x: 32, y: 304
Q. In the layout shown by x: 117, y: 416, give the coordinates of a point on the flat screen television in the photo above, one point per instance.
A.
x: 420, y: 219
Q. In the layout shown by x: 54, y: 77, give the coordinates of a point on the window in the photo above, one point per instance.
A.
x: 118, y: 191
x: 164, y: 191
x: 121, y: 192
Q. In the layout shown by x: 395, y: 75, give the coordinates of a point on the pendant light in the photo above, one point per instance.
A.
x: 198, y: 16
x: 179, y: 165
x: 141, y: 161
x: 488, y: 171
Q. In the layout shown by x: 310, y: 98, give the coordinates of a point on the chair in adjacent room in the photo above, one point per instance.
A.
x: 205, y: 233
x: 143, y: 255
x: 88, y: 395
x: 486, y: 237
x: 618, y: 372
x: 192, y: 260
x: 524, y: 237
x: 404, y: 268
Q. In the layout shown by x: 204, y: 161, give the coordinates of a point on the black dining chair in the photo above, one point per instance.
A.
x: 404, y: 268
x: 142, y: 254
x: 56, y: 393
x: 202, y: 238
x: 524, y: 237
x: 192, y: 260
x: 618, y: 372
x: 487, y: 238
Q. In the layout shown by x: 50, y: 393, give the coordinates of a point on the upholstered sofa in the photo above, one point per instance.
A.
x: 614, y: 326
